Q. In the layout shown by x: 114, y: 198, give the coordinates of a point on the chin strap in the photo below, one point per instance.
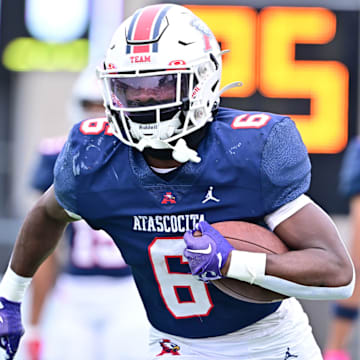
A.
x: 181, y: 152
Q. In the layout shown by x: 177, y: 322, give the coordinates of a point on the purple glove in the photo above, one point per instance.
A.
x: 11, y: 329
x: 208, y: 253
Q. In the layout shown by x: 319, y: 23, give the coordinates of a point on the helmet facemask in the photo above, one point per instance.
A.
x: 157, y: 108
x: 150, y: 106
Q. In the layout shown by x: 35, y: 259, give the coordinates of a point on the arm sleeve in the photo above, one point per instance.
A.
x: 292, y: 289
x: 277, y: 217
x: 349, y: 179
x: 285, y: 166
x: 65, y: 173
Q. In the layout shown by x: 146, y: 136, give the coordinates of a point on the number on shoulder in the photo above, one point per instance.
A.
x: 250, y: 121
x: 95, y: 127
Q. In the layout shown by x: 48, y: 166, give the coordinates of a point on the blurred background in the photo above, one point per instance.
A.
x: 293, y: 57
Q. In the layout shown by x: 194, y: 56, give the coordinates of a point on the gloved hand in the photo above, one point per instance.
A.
x: 207, y: 253
x: 11, y: 329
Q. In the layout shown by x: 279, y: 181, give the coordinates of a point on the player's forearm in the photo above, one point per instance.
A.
x: 312, y: 267
x: 39, y: 234
x: 312, y: 274
x: 288, y: 277
x: 38, y: 237
x: 318, y: 259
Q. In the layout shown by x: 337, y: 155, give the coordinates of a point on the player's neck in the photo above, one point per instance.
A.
x: 162, y: 164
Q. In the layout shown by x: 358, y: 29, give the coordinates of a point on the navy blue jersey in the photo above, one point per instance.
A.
x: 90, y: 252
x: 349, y: 184
x: 252, y: 164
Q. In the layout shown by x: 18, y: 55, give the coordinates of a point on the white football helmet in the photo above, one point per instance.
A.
x: 161, y: 79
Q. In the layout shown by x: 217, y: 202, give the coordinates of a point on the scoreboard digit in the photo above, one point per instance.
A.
x: 325, y: 83
x: 262, y: 56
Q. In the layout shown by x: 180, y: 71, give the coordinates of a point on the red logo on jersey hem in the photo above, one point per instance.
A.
x: 168, y: 347
x: 168, y: 198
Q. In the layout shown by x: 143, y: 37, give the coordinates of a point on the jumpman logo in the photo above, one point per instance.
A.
x: 209, y: 196
x: 288, y: 355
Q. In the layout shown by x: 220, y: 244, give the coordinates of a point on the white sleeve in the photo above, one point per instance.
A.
x: 250, y: 267
x: 274, y: 219
x: 290, y: 288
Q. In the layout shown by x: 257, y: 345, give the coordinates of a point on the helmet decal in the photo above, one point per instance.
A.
x: 145, y: 27
x: 177, y: 62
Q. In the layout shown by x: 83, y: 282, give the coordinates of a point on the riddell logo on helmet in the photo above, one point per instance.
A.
x: 148, y: 126
x: 140, y: 59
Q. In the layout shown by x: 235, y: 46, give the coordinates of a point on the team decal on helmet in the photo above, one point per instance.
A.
x: 145, y: 27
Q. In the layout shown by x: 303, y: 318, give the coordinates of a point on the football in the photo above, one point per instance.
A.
x: 249, y: 237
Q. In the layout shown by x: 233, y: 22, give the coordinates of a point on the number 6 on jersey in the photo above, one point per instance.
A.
x: 169, y: 282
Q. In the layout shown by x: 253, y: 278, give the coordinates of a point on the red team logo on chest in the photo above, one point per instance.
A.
x: 169, y: 347
x: 169, y: 198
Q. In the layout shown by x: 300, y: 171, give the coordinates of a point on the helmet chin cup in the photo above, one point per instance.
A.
x: 152, y: 143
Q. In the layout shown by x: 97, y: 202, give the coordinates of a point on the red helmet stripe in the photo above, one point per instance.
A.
x: 144, y: 27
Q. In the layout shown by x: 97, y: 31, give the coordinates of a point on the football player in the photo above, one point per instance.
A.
x: 93, y: 265
x: 143, y: 174
x: 346, y: 312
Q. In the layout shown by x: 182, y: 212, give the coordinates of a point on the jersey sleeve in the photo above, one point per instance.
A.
x: 285, y: 166
x: 349, y: 178
x: 43, y: 173
x: 65, y: 183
